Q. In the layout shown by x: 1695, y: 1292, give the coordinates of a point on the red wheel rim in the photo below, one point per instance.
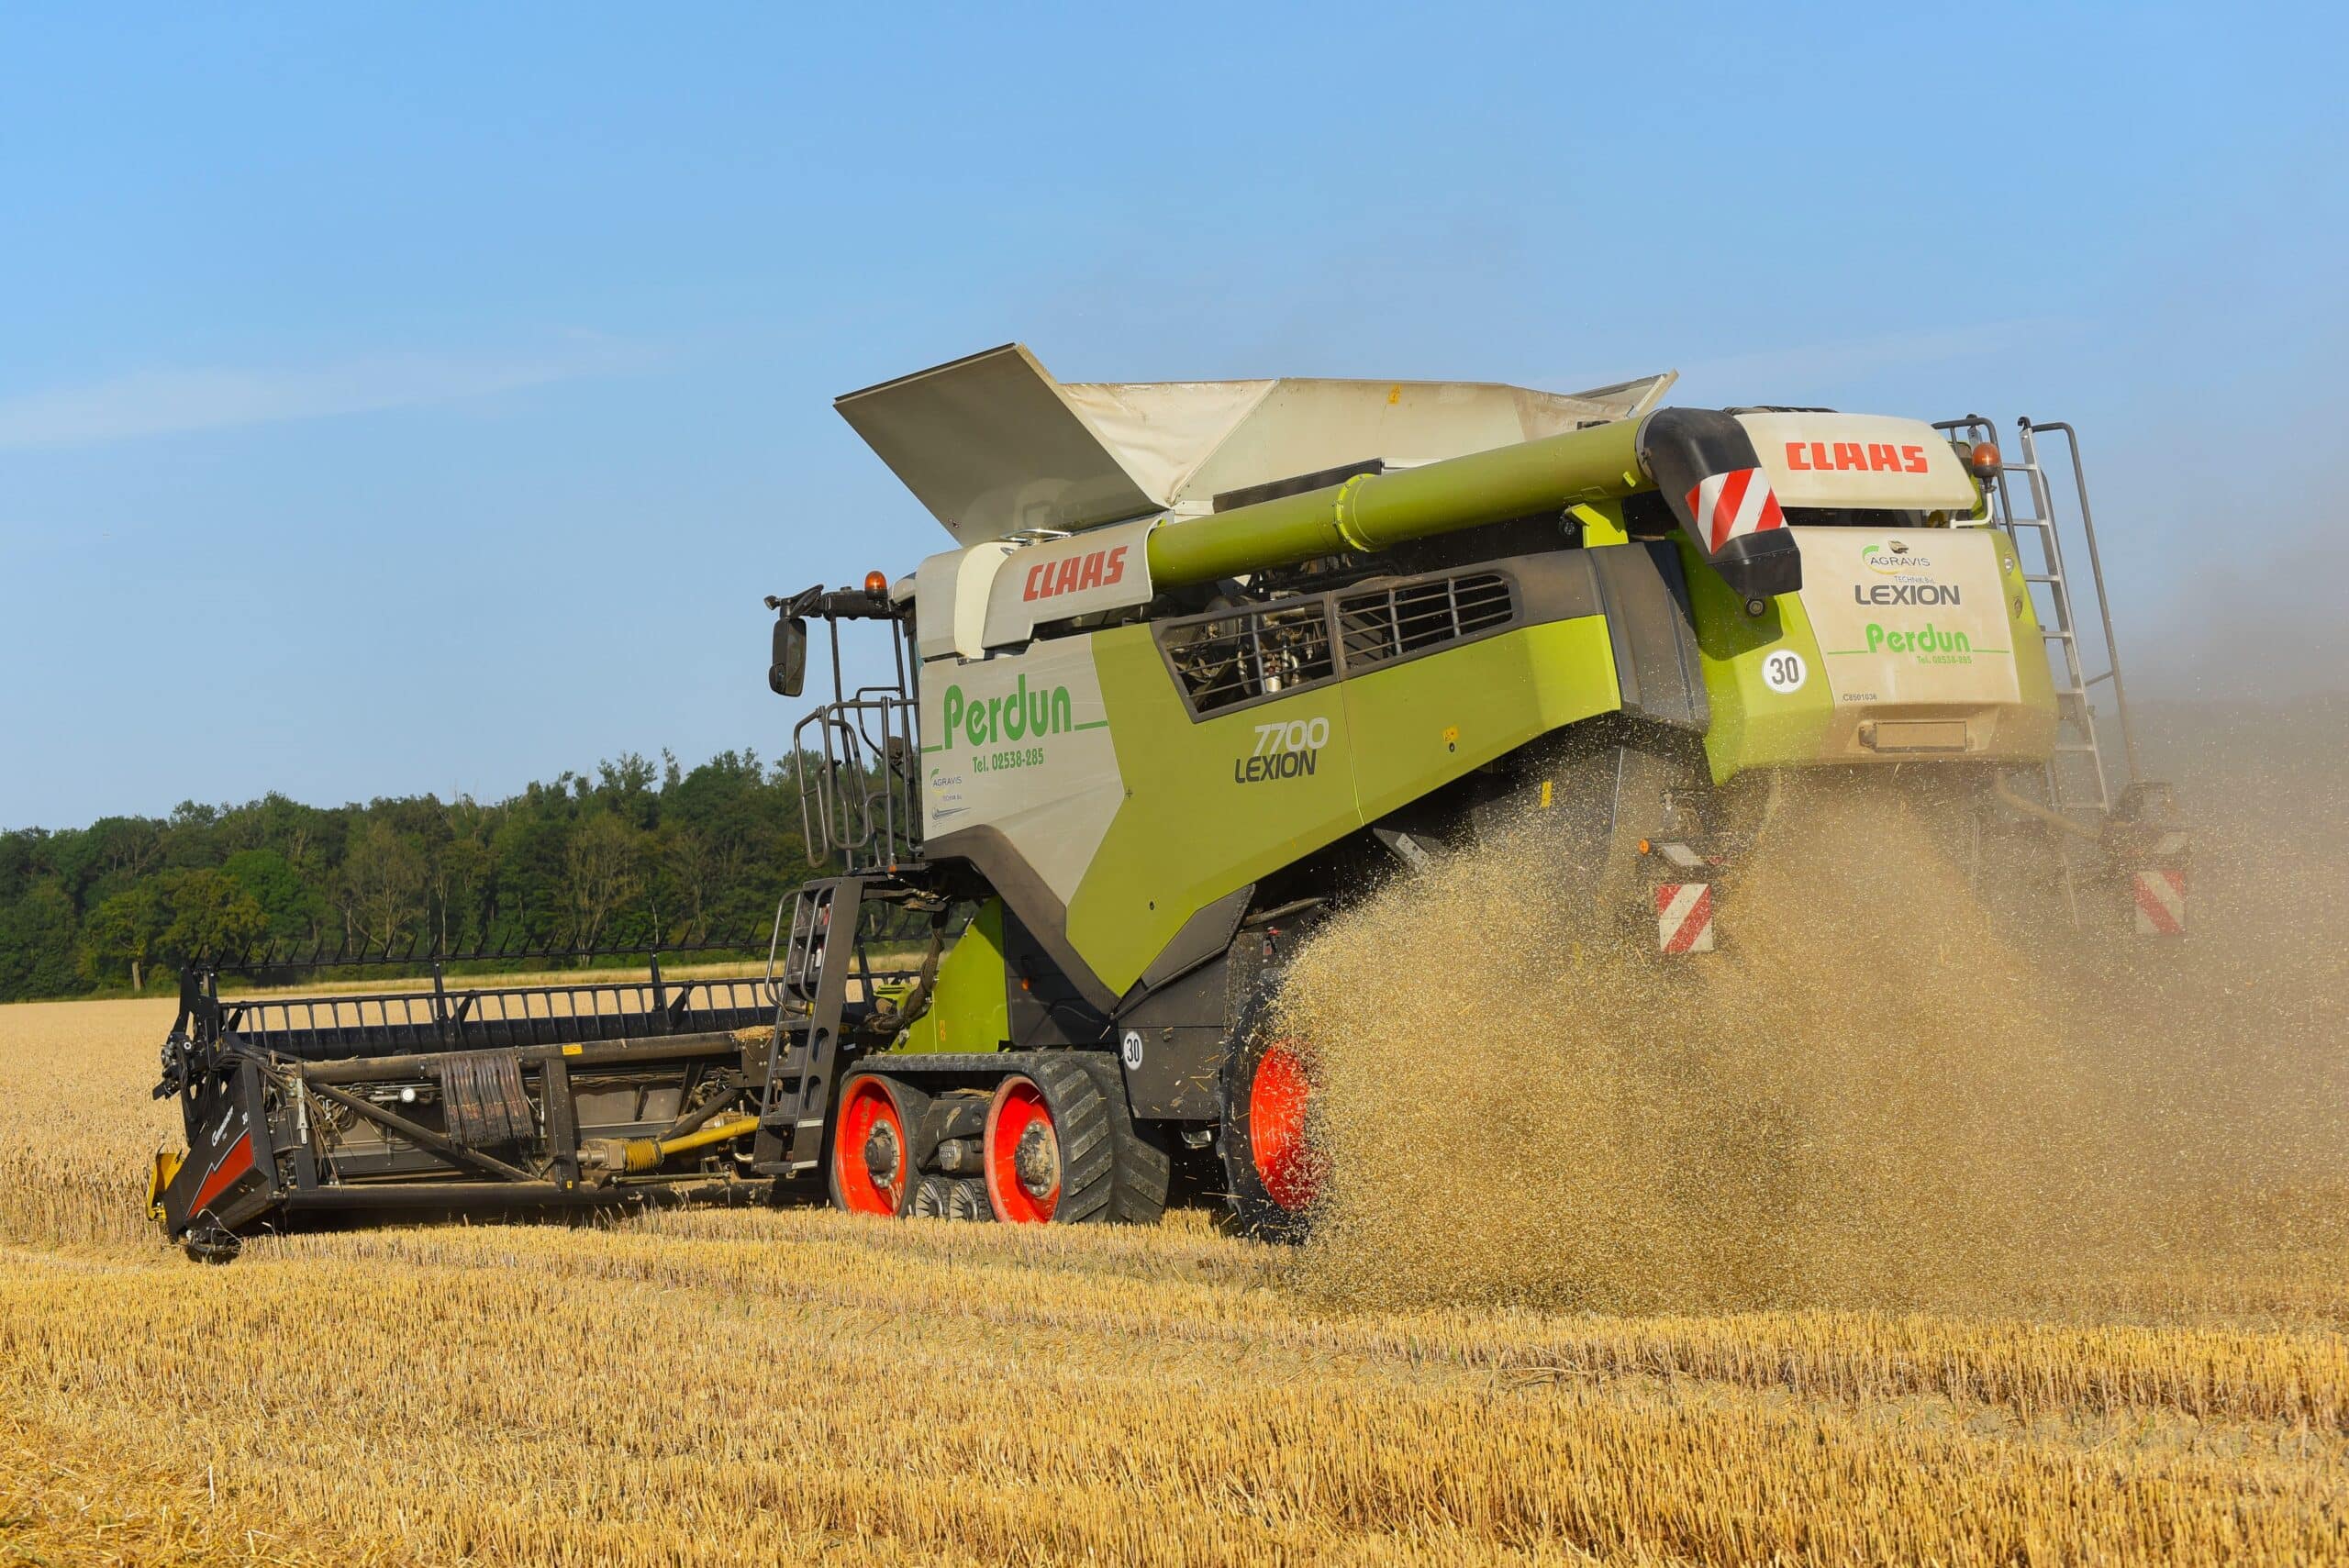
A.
x: 1285, y: 1162
x: 868, y: 1105
x: 1020, y: 1107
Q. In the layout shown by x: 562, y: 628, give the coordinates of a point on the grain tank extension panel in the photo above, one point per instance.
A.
x: 994, y: 446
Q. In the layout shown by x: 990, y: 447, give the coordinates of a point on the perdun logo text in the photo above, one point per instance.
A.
x: 1927, y: 640
x: 1022, y: 715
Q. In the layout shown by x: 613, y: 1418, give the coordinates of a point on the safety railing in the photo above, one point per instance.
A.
x: 858, y: 762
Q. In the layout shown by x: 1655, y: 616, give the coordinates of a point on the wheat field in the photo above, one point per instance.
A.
x: 796, y: 1386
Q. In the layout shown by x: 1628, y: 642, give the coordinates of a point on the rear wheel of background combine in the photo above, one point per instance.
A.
x: 1047, y: 1155
x: 873, y: 1158
x: 1270, y: 1170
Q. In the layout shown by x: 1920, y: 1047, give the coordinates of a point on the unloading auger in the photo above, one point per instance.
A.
x: 1205, y: 661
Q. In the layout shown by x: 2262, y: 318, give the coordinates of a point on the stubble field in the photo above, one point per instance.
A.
x: 786, y: 1386
x: 1934, y: 1327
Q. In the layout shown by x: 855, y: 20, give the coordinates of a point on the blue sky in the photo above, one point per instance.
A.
x: 397, y: 399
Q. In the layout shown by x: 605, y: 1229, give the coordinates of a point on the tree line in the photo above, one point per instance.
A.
x: 637, y: 855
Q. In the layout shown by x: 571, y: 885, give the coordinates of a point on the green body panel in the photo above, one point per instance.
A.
x: 1180, y: 840
x: 1374, y: 511
x: 1752, y: 726
x: 1197, y: 825
x: 1427, y: 722
x: 970, y: 1009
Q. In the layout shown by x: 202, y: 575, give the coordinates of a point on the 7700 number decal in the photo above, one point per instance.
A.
x: 1282, y: 752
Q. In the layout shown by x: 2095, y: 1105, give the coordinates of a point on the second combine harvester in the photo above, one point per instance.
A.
x: 1205, y: 661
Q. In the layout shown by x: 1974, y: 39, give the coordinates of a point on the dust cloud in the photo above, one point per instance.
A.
x: 1881, y: 1093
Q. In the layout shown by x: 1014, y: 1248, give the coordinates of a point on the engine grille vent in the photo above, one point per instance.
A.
x: 1251, y: 653
x: 1227, y: 660
x: 1411, y: 618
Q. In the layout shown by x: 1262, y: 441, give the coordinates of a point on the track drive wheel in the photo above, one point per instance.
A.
x: 1272, y: 1174
x: 1047, y: 1156
x: 874, y: 1161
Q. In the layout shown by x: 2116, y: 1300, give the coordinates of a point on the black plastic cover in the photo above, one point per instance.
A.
x: 1680, y: 449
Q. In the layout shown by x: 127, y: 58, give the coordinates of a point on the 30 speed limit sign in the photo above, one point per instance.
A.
x: 1783, y: 672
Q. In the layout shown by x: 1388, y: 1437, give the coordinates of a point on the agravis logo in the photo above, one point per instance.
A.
x: 1892, y: 558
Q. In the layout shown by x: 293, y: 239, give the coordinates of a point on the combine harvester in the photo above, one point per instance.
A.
x: 1207, y: 660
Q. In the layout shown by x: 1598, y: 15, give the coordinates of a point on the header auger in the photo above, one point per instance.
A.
x: 1205, y: 661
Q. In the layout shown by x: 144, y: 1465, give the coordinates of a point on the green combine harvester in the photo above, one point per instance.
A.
x: 1206, y: 663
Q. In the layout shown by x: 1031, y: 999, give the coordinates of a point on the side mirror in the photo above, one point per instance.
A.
x: 787, y: 675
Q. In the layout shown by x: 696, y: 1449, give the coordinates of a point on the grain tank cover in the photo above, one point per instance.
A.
x: 994, y: 446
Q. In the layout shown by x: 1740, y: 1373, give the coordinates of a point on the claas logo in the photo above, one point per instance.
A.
x: 1098, y: 569
x: 1875, y: 457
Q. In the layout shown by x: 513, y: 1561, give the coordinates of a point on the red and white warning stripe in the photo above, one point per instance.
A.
x: 1684, y: 916
x: 2161, y: 902
x: 1729, y: 504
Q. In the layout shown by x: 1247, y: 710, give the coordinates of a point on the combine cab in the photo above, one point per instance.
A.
x: 1207, y: 661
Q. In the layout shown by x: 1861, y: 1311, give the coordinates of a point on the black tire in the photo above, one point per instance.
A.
x: 952, y: 1198
x: 1249, y: 1186
x: 1077, y: 1125
x: 1140, y: 1166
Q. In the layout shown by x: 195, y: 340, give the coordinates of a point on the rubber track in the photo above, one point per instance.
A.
x: 1087, y: 1093
x: 1142, y: 1166
x: 1081, y: 1118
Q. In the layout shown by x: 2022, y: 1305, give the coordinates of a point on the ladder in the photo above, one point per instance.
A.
x: 2079, y: 781
x: 810, y: 977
